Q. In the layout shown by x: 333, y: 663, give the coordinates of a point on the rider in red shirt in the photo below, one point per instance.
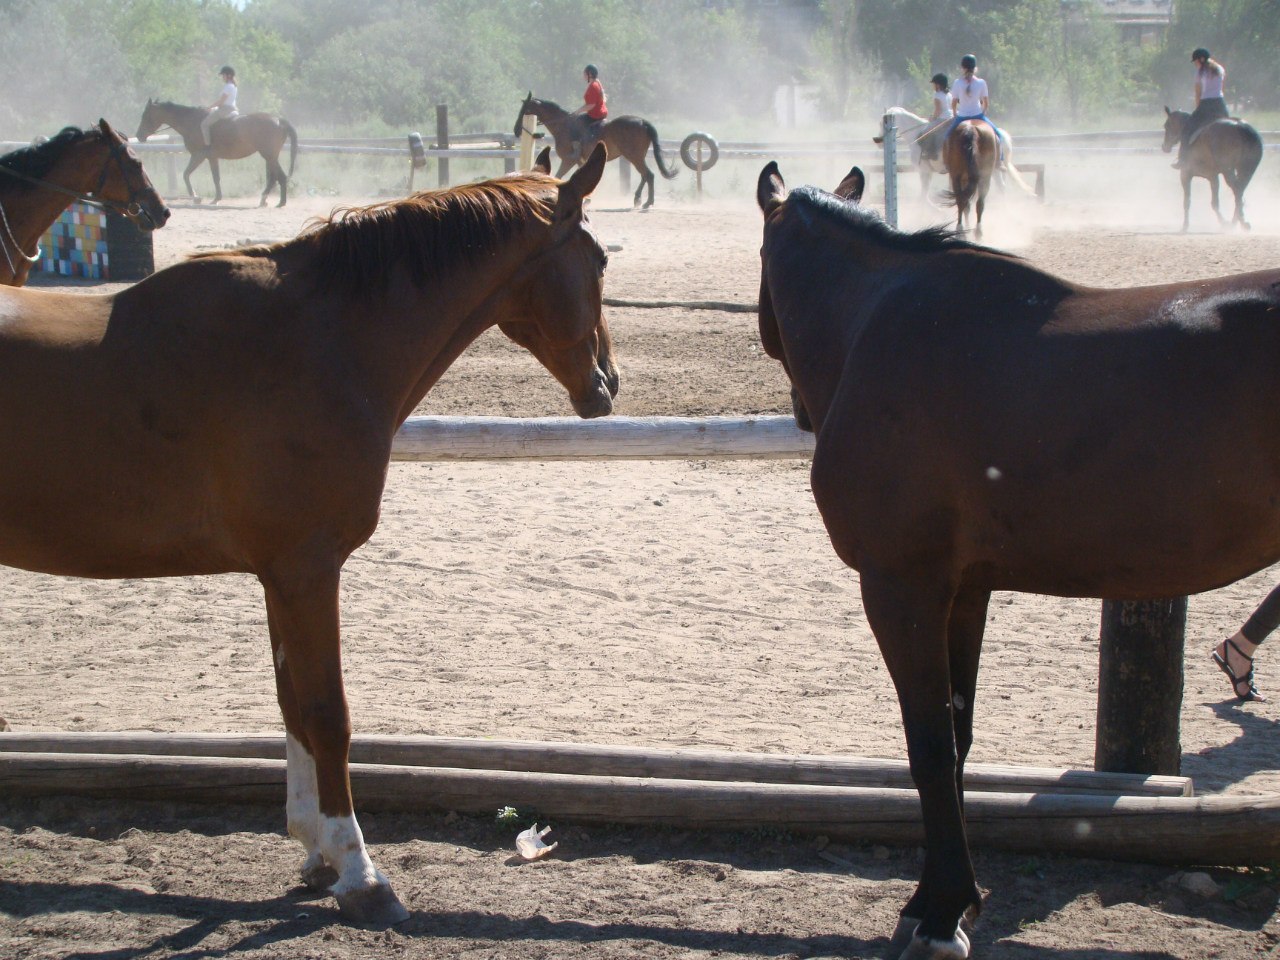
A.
x: 594, y: 109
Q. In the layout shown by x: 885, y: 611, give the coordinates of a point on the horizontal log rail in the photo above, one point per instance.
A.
x: 607, y: 438
x: 1185, y: 830
x: 599, y: 760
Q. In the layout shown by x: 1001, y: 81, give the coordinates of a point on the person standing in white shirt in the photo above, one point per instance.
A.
x: 224, y: 107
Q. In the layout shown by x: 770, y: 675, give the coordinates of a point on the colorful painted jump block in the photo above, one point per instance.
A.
x: 89, y: 242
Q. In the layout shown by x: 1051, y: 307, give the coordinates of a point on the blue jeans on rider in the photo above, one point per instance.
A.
x: 982, y: 116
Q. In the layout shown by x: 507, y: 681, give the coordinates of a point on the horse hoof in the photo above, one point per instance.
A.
x: 372, y: 906
x: 321, y: 877
x: 926, y: 948
x: 901, y: 938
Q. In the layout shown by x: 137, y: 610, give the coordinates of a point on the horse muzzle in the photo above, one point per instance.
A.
x: 599, y: 403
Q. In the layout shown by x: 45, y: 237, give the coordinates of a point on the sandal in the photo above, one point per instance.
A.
x: 1251, y: 691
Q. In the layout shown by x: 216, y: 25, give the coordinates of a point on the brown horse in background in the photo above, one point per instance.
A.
x: 235, y: 413
x: 233, y: 138
x: 970, y: 152
x: 983, y: 425
x: 627, y: 137
x: 37, y: 183
x: 1229, y: 147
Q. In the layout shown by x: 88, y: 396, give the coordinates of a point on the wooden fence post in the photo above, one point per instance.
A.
x: 528, y: 127
x: 442, y: 141
x: 1140, y: 687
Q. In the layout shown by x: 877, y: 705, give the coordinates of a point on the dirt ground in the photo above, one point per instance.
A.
x: 651, y: 604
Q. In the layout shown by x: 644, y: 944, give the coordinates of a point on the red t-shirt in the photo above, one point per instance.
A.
x: 594, y: 98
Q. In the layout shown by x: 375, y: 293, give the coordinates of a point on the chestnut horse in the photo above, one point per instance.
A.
x: 983, y: 425
x: 37, y: 183
x: 627, y: 137
x: 233, y: 138
x: 235, y: 413
x: 970, y: 152
x: 1229, y: 147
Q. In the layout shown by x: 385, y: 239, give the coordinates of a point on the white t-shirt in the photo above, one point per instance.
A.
x: 1211, y: 82
x: 969, y: 93
x: 229, y: 91
x: 943, y: 97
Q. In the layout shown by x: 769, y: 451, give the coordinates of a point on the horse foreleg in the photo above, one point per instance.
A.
x: 302, y: 611
x: 217, y: 179
x: 1186, y: 201
x: 196, y: 160
x: 1213, y: 200
x: 911, y: 621
x: 964, y: 647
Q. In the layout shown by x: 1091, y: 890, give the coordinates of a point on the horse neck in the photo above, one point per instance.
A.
x: 552, y: 116
x: 31, y: 211
x: 186, y: 120
x: 406, y: 338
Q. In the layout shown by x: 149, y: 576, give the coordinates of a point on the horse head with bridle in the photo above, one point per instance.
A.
x: 37, y: 183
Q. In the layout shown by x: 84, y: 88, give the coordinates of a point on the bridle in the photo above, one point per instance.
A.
x: 130, y: 208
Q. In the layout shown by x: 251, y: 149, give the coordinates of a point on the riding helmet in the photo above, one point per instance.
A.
x: 591, y: 71
x: 1198, y: 53
x: 227, y: 72
x: 941, y: 80
x: 969, y: 62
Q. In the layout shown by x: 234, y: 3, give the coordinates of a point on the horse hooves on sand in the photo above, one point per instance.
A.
x: 372, y: 906
x: 920, y: 948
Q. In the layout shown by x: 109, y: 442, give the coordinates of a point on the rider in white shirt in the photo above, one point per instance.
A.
x: 931, y: 144
x: 222, y: 108
x: 970, y: 99
x: 1211, y: 76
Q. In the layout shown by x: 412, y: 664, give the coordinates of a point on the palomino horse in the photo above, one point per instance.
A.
x: 983, y: 425
x: 233, y: 138
x: 970, y: 152
x: 626, y: 137
x: 37, y: 183
x: 235, y: 412
x: 1228, y: 147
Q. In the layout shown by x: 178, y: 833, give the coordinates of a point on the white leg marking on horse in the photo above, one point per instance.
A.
x: 302, y: 808
x: 342, y: 844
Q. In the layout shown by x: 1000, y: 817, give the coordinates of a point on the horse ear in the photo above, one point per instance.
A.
x: 1167, y: 112
x: 770, y: 188
x: 543, y: 162
x: 851, y: 187
x: 578, y: 186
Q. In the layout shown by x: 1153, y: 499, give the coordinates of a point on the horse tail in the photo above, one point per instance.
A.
x: 969, y: 144
x: 1013, y: 171
x: 1250, y: 156
x: 649, y: 128
x: 292, y: 134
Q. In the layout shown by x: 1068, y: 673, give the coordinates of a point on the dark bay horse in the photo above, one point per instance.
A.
x: 983, y: 425
x: 37, y: 183
x: 970, y: 152
x: 627, y: 137
x: 233, y: 138
x: 235, y: 413
x: 1230, y: 148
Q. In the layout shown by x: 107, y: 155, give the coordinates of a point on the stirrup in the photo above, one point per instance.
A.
x: 1251, y: 691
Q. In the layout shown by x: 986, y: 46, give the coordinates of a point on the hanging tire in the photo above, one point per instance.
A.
x: 710, y: 151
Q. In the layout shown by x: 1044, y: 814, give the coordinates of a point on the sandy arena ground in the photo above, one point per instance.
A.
x: 653, y: 604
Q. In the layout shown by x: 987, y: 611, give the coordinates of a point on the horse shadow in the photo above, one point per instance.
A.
x: 1252, y: 751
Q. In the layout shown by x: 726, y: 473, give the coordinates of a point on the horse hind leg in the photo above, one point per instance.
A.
x: 646, y: 181
x: 302, y: 614
x: 912, y: 622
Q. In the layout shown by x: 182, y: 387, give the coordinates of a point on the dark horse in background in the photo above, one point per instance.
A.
x: 233, y: 138
x: 627, y: 137
x: 970, y: 152
x: 37, y: 183
x: 983, y: 425
x: 235, y: 413
x: 1229, y: 147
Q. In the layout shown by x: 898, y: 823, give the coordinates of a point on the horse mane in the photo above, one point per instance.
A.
x: 551, y: 104
x: 38, y: 160
x: 431, y: 232
x: 869, y: 224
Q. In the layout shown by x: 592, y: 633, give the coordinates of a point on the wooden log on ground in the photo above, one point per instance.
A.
x: 607, y: 761
x: 1184, y: 830
x: 608, y: 438
x: 724, y: 306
